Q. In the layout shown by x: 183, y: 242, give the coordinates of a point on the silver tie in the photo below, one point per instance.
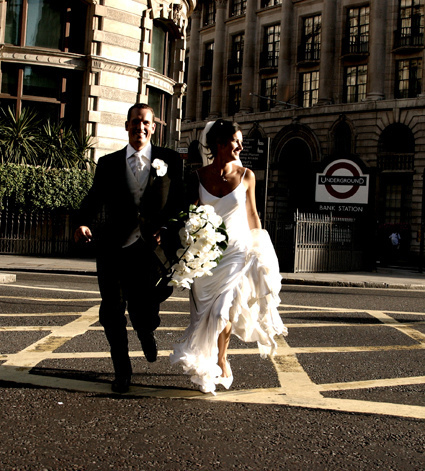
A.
x: 136, y: 165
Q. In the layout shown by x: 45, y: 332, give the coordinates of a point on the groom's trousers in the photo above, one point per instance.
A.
x: 126, y: 282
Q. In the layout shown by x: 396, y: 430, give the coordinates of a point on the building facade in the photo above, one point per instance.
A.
x: 87, y: 61
x: 322, y: 79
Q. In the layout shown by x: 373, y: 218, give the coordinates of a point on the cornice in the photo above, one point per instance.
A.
x: 98, y: 64
x: 42, y: 57
x: 152, y: 77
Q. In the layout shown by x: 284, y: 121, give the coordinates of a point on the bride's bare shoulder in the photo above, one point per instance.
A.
x: 203, y: 171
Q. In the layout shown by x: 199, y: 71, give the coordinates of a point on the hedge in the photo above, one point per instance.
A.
x: 32, y: 188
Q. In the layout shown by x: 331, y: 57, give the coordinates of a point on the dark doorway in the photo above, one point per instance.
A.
x: 296, y: 179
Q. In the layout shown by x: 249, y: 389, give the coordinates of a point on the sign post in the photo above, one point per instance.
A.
x: 255, y: 156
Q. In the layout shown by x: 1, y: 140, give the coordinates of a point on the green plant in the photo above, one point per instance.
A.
x: 19, y: 142
x: 62, y: 148
x: 26, y: 140
x: 31, y: 188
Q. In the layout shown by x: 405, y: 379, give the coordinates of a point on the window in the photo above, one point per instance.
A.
x: 408, y: 78
x: 270, y: 3
x: 398, y: 198
x: 206, y: 69
x: 357, y: 40
x: 47, y: 24
x: 53, y: 93
x: 410, y: 31
x: 271, y: 46
x: 158, y: 100
x: 161, y: 49
x: 311, y: 38
x: 355, y: 83
x: 396, y: 153
x: 209, y: 12
x: 236, y: 56
x: 396, y: 149
x: 268, y: 93
x: 234, y: 99
x: 309, y: 87
x: 237, y: 7
x: 206, y: 103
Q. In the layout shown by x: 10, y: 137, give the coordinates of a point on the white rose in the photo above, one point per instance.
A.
x: 160, y: 166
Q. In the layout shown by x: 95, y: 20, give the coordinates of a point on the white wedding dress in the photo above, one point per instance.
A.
x: 244, y: 289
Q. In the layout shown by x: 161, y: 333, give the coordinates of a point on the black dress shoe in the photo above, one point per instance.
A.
x: 149, y: 347
x: 121, y: 385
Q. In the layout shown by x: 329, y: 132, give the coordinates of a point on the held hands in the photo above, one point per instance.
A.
x: 83, y: 234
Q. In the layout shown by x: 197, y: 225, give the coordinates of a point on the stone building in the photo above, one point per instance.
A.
x: 87, y: 61
x: 323, y: 80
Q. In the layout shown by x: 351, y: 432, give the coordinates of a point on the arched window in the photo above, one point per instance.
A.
x: 342, y: 139
x: 396, y: 149
x: 295, y: 175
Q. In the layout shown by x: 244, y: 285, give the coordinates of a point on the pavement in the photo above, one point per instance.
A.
x: 382, y: 277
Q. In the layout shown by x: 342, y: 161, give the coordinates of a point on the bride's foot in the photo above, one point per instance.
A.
x: 226, y: 371
x: 226, y: 379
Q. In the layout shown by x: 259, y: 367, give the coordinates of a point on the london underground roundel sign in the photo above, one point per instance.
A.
x: 342, y: 181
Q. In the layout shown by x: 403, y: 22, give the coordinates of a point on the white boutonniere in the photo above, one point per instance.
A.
x: 160, y: 166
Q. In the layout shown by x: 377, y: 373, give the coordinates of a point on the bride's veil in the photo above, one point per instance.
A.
x: 204, y: 149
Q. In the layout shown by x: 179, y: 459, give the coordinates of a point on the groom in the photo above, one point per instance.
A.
x: 138, y: 189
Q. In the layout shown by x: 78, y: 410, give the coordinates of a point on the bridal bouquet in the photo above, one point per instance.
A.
x: 204, y: 239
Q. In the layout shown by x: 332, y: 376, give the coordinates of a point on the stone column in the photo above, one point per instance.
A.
x: 376, y: 62
x: 284, y: 65
x: 423, y: 75
x: 3, y: 6
x: 327, y: 53
x: 193, y: 71
x: 248, y: 64
x: 218, y: 60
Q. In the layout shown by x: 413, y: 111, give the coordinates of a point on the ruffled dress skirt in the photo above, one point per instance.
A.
x: 244, y: 289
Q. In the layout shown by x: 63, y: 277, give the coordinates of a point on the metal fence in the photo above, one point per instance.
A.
x: 317, y: 243
x: 325, y: 243
x: 35, y: 233
x: 307, y: 243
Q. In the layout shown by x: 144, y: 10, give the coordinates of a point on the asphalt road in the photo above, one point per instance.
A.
x: 345, y: 391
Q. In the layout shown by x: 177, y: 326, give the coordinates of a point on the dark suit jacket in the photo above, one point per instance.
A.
x: 110, y: 192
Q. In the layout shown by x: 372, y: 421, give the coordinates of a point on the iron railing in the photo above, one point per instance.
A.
x: 35, y: 233
x: 317, y: 243
x: 325, y: 243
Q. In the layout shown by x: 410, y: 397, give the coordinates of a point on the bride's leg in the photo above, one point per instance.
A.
x: 223, y: 343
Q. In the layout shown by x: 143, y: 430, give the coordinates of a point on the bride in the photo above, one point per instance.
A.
x: 242, y: 295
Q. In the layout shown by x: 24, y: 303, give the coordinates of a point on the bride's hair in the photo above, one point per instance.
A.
x: 221, y: 132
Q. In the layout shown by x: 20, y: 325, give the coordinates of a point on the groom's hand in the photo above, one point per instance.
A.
x: 83, y: 234
x: 157, y: 235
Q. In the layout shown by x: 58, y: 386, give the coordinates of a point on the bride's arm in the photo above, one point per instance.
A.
x: 251, y: 207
